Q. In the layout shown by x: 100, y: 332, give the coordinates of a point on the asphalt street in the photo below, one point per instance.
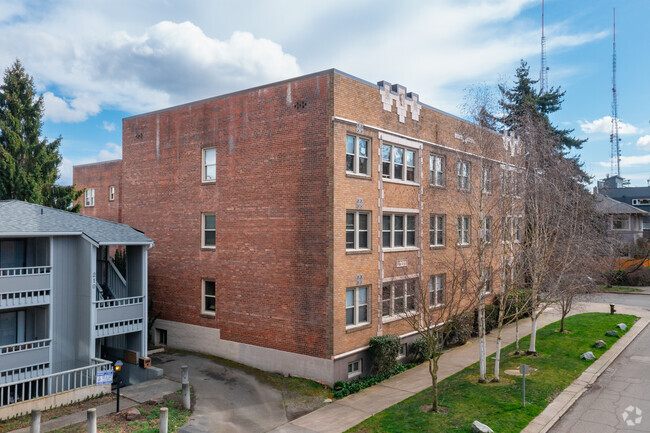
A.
x: 619, y: 400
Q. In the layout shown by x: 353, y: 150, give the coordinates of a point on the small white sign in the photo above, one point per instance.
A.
x: 104, y: 377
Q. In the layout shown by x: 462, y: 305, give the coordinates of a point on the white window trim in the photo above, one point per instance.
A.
x: 355, y: 171
x: 356, y: 231
x: 435, y: 229
x: 203, y: 165
x: 203, y: 230
x: 203, y: 296
x: 486, y: 180
x: 400, y: 315
x: 432, y: 170
x: 111, y: 193
x: 403, y: 179
x: 459, y: 176
x: 358, y: 372
x: 483, y: 232
x: 629, y: 223
x: 460, y: 232
x: 405, y: 247
x: 89, y: 197
x: 357, y: 323
x: 513, y: 222
x: 433, y: 280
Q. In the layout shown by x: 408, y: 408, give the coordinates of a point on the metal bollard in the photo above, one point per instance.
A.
x: 36, y: 422
x: 185, y: 375
x: 164, y: 417
x: 186, y: 395
x: 91, y: 415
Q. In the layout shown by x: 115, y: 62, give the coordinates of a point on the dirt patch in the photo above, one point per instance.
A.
x: 57, y: 412
x: 427, y: 408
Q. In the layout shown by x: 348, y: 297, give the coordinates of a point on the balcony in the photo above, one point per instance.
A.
x: 21, y: 355
x: 119, y: 316
x: 15, y: 393
x: 25, y: 287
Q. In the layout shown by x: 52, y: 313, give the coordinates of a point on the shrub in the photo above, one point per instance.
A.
x: 418, y: 351
x: 343, y: 389
x: 491, y: 317
x: 460, y: 329
x: 384, y: 351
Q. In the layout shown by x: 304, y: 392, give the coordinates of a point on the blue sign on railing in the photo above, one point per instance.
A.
x: 104, y: 377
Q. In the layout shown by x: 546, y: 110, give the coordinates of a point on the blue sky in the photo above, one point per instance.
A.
x: 97, y: 62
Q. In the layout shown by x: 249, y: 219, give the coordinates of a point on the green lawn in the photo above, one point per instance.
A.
x: 499, y: 405
x: 618, y: 289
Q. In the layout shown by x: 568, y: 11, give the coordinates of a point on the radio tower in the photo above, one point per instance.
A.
x: 543, y: 70
x: 615, y: 151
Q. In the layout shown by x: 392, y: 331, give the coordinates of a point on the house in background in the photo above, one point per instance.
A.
x: 639, y: 197
x: 624, y: 221
x: 66, y: 312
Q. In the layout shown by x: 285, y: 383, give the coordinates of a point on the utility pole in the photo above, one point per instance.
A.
x: 615, y: 142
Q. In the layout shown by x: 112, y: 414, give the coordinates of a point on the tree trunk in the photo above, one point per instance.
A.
x: 497, y: 357
x: 517, y: 323
x: 562, y: 322
x: 482, y: 349
x: 533, y: 332
x: 433, y: 371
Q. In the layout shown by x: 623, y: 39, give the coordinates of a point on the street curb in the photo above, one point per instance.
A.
x: 623, y: 293
x: 563, y: 402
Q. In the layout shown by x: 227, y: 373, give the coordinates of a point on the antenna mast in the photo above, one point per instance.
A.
x: 543, y: 71
x: 615, y: 150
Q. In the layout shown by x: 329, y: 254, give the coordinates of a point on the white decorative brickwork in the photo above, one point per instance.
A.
x: 402, y: 100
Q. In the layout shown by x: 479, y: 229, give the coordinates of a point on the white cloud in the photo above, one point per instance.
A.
x: 643, y: 142
x: 75, y: 110
x: 95, y: 66
x: 109, y: 152
x: 604, y: 125
x: 109, y: 126
x: 630, y: 161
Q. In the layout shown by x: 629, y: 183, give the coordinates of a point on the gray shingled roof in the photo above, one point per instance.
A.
x: 19, y: 217
x: 608, y: 205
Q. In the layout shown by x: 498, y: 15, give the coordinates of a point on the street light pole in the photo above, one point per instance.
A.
x: 118, y: 368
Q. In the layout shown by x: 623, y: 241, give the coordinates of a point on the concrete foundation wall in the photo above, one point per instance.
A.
x: 55, y: 400
x: 207, y: 340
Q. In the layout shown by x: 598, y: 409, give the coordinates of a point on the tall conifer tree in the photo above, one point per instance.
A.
x: 28, y: 163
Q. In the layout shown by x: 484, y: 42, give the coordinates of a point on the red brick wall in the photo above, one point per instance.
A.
x: 101, y: 176
x: 272, y: 201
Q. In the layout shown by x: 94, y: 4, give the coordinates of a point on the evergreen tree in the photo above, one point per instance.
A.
x: 523, y: 99
x: 28, y: 163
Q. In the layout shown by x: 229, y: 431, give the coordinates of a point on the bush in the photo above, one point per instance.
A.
x: 343, y: 389
x: 491, y: 317
x: 638, y: 277
x: 460, y: 329
x: 418, y: 351
x: 384, y: 351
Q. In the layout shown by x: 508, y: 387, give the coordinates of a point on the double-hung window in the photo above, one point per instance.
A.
x: 398, y: 297
x: 209, y: 169
x: 488, y: 280
x: 463, y: 230
x: 357, y: 231
x: 111, y: 193
x: 357, y: 150
x: 486, y: 180
x: 437, y: 290
x: 437, y: 230
x: 437, y: 170
x: 209, y: 230
x: 486, y: 230
x: 90, y: 197
x: 398, y: 231
x: 464, y: 175
x: 398, y: 163
x: 208, y: 297
x: 356, y: 306
x: 512, y: 229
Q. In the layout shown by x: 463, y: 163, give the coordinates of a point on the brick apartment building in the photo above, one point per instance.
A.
x: 292, y: 220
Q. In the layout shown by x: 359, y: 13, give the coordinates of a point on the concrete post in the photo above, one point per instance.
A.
x: 91, y: 415
x: 36, y: 421
x: 186, y: 395
x: 164, y: 416
x: 185, y: 375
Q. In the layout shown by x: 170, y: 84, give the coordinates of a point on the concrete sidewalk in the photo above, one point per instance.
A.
x: 350, y: 411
